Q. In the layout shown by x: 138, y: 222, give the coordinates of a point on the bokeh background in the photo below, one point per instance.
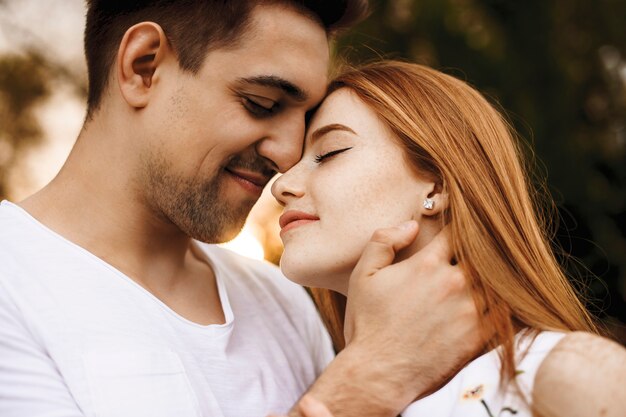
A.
x: 558, y: 67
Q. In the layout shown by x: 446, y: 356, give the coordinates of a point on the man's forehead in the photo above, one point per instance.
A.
x: 282, y: 49
x: 299, y: 77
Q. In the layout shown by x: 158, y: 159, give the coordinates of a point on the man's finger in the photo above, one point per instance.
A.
x: 310, y: 407
x: 439, y: 249
x: 383, y: 246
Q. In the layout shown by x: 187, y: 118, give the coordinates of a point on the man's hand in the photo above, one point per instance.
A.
x: 310, y: 407
x: 409, y: 327
x: 417, y: 314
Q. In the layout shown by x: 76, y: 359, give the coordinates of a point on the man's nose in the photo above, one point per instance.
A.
x: 283, y: 146
x: 288, y: 186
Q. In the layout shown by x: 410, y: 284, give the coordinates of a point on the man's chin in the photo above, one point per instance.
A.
x: 214, y: 234
x: 217, y: 217
x: 227, y: 236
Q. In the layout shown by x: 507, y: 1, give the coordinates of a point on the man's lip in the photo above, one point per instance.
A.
x: 254, y: 177
x: 294, y: 215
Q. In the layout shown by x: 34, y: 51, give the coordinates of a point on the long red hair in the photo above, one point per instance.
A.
x: 499, y: 235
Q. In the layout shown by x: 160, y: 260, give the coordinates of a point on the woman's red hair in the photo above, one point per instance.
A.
x: 501, y: 240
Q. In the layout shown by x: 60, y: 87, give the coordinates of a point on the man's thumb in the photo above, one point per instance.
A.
x: 382, y: 248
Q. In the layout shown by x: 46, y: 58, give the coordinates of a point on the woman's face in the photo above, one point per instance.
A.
x: 352, y: 179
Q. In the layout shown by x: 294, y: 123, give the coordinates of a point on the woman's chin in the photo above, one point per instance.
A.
x: 322, y: 266
x: 299, y: 274
x: 314, y: 276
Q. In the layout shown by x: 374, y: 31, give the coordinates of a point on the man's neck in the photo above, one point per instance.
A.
x: 121, y: 231
x: 95, y: 203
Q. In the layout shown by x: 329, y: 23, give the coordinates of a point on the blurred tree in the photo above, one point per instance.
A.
x: 27, y: 79
x: 556, y: 66
x: 23, y: 84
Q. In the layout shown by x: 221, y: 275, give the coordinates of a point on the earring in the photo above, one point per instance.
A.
x: 429, y: 204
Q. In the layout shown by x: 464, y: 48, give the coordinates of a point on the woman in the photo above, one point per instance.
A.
x: 396, y: 141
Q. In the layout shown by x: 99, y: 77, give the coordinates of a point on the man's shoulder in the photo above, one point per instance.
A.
x: 9, y: 218
x: 17, y: 233
x: 15, y: 224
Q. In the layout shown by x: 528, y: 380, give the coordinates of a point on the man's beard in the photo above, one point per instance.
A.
x: 196, y: 207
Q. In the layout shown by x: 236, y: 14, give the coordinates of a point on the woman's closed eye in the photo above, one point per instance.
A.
x: 320, y: 158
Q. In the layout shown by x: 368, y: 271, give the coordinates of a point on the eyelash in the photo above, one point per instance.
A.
x: 320, y: 158
x: 258, y: 110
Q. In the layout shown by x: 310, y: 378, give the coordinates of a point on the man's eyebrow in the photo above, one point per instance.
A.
x: 318, y: 133
x: 274, y: 81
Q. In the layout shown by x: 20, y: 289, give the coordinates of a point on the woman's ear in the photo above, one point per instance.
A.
x: 141, y: 51
x: 435, y: 200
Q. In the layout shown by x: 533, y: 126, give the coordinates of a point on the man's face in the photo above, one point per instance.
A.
x: 215, y: 138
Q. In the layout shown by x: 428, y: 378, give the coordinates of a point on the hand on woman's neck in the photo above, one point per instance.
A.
x: 428, y: 229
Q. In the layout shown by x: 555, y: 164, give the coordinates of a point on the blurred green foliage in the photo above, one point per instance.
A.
x: 559, y: 70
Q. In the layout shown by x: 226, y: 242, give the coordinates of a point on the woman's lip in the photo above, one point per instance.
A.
x: 294, y: 224
x: 293, y: 216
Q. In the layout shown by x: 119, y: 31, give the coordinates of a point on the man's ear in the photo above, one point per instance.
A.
x: 141, y: 51
x: 435, y: 200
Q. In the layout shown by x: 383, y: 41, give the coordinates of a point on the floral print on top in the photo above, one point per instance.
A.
x: 475, y: 390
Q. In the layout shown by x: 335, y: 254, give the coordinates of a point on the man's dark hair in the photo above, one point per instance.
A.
x: 193, y: 28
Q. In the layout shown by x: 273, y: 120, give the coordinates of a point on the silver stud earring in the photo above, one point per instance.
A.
x: 429, y: 204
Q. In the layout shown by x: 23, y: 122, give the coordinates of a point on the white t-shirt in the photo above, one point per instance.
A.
x: 475, y: 390
x: 79, y: 338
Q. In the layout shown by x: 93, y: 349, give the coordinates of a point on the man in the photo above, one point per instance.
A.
x: 110, y: 306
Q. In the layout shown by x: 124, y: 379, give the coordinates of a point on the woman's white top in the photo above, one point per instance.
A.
x: 475, y: 390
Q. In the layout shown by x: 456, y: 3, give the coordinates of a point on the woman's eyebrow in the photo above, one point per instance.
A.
x: 318, y: 133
